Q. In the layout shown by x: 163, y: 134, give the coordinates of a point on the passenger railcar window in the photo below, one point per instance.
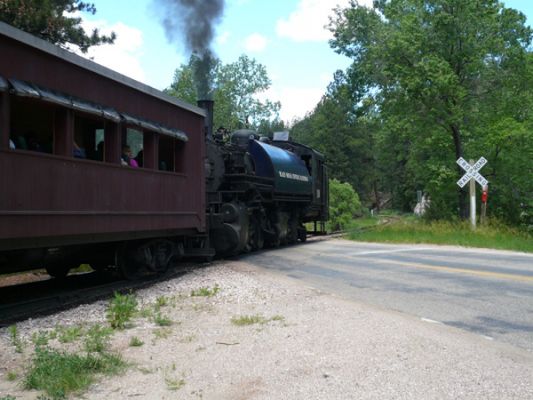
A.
x: 134, y: 139
x: 166, y: 153
x: 86, y: 138
x: 32, y: 125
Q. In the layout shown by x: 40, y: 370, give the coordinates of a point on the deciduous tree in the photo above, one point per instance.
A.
x: 56, y: 21
x: 431, y: 66
x: 236, y: 91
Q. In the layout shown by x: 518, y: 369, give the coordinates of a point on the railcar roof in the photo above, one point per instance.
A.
x: 35, y: 42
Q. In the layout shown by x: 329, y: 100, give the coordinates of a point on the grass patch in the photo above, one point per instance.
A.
x: 161, y: 301
x: 40, y: 338
x: 60, y: 373
x: 136, y: 342
x: 15, y: 339
x: 174, y: 384
x: 8, y: 397
x: 97, y: 339
x: 121, y: 310
x: 161, y: 320
x: 12, y: 376
x: 205, y: 291
x: 147, y: 312
x: 245, y: 320
x: 162, y: 333
x: 408, y: 230
x: 69, y: 334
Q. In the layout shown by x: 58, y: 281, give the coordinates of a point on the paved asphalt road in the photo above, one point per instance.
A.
x: 487, y: 292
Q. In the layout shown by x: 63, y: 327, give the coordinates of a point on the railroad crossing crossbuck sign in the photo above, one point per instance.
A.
x: 472, y: 171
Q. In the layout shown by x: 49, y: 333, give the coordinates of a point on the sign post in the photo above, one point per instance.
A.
x: 484, y: 198
x: 472, y: 175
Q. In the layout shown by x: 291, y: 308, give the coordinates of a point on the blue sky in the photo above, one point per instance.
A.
x: 287, y: 36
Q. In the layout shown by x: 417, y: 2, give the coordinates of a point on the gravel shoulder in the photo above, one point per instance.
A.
x: 309, y: 345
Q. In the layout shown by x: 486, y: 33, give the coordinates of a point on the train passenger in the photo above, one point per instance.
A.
x: 99, y: 155
x: 78, y: 151
x: 127, y: 159
x: 126, y: 154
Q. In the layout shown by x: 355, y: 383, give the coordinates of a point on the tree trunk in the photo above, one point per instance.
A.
x: 376, y: 194
x: 456, y: 133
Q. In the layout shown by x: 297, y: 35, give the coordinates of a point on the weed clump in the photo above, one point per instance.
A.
x: 136, y: 342
x: 174, y: 384
x: 248, y: 320
x: 69, y: 334
x: 60, y: 373
x: 121, y: 310
x: 97, y: 339
x: 15, y: 339
x: 161, y: 320
x: 205, y: 291
x: 244, y: 320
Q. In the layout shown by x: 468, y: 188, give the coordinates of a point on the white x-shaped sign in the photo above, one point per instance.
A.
x: 472, y: 171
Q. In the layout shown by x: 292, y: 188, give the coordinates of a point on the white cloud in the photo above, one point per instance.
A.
x: 308, y: 22
x: 223, y: 37
x: 295, y: 101
x: 255, y: 42
x: 124, y: 55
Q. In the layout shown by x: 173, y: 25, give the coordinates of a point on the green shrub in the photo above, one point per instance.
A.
x: 344, y: 205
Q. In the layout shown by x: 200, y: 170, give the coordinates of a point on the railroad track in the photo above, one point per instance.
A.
x: 45, y: 297
x: 49, y: 296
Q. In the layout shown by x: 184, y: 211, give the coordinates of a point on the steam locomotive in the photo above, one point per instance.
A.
x: 261, y: 192
x: 198, y: 193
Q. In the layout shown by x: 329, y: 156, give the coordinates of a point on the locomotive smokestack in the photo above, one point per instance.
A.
x: 208, y: 106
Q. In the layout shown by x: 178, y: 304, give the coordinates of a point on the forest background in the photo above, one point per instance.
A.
x: 430, y: 81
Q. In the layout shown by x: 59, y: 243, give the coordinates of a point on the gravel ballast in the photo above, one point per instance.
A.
x: 306, y: 344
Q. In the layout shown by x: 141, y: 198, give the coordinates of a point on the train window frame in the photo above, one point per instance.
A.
x: 80, y: 149
x: 69, y: 115
x: 163, y: 148
x: 22, y: 130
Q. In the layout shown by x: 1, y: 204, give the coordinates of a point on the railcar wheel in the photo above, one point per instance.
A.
x: 126, y: 264
x: 158, y: 255
x: 57, y: 272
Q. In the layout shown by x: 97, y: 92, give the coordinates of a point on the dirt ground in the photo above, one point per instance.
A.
x: 306, y: 344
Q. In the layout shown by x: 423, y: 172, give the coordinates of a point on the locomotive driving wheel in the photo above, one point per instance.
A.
x: 257, y: 238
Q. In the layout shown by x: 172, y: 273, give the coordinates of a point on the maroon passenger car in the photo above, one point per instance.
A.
x: 65, y: 195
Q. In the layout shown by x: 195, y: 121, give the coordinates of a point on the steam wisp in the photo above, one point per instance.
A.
x: 194, y: 21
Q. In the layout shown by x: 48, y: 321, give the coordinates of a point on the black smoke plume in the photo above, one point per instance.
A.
x: 194, y: 21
